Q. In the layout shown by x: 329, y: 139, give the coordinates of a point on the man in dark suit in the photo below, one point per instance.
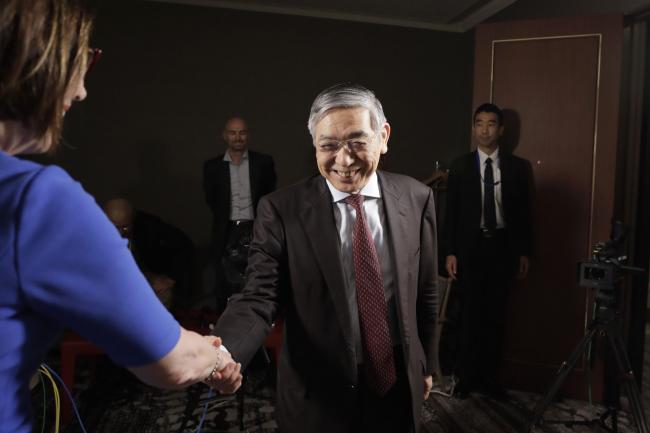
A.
x: 349, y: 258
x: 163, y: 252
x: 486, y: 241
x: 233, y: 184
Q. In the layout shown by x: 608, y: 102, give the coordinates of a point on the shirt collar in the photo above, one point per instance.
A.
x: 482, y: 156
x: 226, y: 156
x: 370, y: 190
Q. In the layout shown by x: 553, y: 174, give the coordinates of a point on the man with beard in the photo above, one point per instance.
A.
x: 233, y: 183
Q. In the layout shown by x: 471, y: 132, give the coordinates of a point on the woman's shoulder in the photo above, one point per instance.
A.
x: 18, y: 177
x: 14, y: 169
x: 29, y: 185
x: 17, y: 174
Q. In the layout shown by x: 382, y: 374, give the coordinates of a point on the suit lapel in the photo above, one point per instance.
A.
x: 506, y: 177
x: 396, y: 219
x: 225, y: 181
x: 320, y: 228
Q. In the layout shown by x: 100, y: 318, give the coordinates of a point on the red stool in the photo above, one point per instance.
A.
x: 73, y: 346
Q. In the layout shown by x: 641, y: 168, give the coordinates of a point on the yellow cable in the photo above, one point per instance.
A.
x: 57, y: 402
x: 57, y: 399
x: 40, y: 379
x: 45, y: 373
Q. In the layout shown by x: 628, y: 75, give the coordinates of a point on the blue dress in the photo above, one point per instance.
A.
x: 63, y: 264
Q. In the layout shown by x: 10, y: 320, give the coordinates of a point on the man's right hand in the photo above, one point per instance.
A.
x: 229, y: 378
x: 451, y: 264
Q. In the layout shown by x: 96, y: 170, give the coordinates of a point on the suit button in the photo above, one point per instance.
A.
x: 352, y: 387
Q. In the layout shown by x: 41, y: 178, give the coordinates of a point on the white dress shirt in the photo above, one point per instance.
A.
x: 345, y: 217
x: 496, y: 171
x: 241, y: 201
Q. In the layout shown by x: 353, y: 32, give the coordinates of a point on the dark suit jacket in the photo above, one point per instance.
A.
x: 216, y: 187
x: 295, y: 265
x: 164, y: 249
x: 464, y: 207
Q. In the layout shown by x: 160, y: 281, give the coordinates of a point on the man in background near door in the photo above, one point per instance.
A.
x: 486, y: 241
x: 233, y: 183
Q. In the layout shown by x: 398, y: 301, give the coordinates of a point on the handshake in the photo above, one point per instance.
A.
x: 225, y: 377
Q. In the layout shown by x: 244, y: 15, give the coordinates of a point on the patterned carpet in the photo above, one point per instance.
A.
x: 111, y: 400
x: 115, y: 402
x: 482, y: 414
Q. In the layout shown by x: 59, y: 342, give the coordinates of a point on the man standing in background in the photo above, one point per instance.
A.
x: 486, y: 242
x: 233, y: 183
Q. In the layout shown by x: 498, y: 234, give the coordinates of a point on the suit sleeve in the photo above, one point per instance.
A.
x: 427, y: 300
x: 166, y: 249
x: 249, y: 316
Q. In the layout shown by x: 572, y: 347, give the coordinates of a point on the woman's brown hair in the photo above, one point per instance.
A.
x: 43, y: 45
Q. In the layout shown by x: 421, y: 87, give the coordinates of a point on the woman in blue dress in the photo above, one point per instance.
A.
x: 62, y: 263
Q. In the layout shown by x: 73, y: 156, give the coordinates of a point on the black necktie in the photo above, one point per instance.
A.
x: 489, y: 209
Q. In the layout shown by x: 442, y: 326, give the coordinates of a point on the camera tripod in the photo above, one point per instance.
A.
x: 607, y: 323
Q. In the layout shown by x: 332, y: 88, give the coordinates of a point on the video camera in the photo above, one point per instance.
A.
x: 604, y: 272
x: 605, y: 269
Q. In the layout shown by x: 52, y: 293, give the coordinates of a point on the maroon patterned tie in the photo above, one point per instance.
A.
x: 378, y: 350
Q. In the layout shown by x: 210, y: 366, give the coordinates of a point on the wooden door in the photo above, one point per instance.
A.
x: 558, y: 83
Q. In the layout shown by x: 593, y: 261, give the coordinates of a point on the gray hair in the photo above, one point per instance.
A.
x: 346, y: 95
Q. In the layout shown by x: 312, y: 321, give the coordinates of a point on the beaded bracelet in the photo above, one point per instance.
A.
x: 216, y: 366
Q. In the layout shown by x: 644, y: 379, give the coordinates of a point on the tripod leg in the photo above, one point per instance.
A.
x: 631, y: 388
x: 561, y: 375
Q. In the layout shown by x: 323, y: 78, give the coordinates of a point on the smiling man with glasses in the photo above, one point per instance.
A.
x: 349, y: 257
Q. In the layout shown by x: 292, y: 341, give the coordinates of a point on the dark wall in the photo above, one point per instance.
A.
x: 171, y: 74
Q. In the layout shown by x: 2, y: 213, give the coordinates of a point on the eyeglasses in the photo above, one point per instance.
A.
x: 124, y: 229
x: 94, y: 54
x: 353, y: 144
